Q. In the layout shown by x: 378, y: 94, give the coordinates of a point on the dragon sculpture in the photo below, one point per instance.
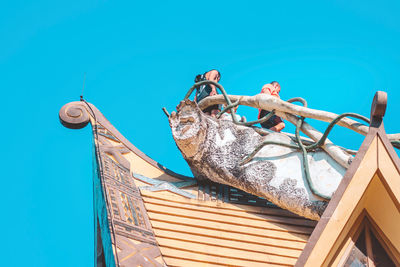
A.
x: 296, y: 173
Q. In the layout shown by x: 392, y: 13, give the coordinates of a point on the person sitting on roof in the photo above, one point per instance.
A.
x: 274, y: 123
x: 208, y: 90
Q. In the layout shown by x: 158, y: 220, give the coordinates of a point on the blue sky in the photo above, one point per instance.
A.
x: 142, y: 56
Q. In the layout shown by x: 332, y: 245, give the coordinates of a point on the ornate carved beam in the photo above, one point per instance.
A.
x: 125, y: 235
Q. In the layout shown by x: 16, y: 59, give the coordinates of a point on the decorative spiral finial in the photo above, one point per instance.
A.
x: 74, y: 115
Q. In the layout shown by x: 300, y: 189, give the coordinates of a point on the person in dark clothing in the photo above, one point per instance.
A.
x: 274, y: 123
x: 208, y: 90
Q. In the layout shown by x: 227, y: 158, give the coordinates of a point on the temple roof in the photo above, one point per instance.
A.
x: 149, y: 215
x: 185, y: 221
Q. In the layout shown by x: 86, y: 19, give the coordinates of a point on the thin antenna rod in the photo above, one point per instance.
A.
x: 83, y: 85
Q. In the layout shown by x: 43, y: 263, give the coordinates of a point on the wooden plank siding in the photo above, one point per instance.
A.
x: 191, y: 232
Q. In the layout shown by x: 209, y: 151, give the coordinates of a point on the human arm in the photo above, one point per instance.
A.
x: 213, y: 75
x: 213, y: 90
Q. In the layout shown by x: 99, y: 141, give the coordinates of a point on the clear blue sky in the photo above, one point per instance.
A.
x: 142, y: 55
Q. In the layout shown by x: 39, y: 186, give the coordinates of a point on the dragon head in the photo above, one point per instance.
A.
x: 188, y: 127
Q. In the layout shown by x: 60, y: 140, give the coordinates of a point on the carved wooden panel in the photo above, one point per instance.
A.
x: 137, y: 254
x: 127, y: 218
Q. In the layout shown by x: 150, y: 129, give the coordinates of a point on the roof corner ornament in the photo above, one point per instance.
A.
x: 74, y: 115
x: 378, y: 108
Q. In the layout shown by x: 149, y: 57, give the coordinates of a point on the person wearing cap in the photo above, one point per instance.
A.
x: 208, y: 90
